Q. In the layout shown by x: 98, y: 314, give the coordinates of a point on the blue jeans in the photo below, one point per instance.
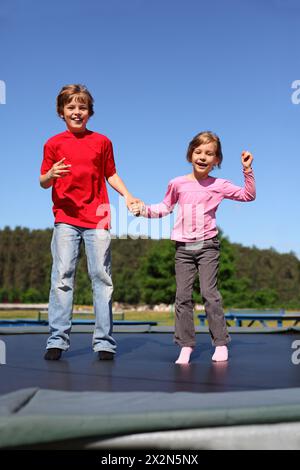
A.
x: 65, y: 248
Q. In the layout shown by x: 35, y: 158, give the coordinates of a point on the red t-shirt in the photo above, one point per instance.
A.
x: 80, y: 198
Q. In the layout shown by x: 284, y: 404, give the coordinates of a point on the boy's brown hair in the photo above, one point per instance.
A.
x: 205, y: 138
x: 68, y: 92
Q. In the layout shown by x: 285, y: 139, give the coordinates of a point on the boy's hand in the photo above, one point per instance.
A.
x: 131, y: 200
x: 247, y: 159
x: 59, y: 169
x: 137, y: 208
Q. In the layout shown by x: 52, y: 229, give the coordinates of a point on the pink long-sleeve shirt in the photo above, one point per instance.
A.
x: 198, y: 202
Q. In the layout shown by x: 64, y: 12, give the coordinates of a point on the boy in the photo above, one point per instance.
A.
x: 76, y: 163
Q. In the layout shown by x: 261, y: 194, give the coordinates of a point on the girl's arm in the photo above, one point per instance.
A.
x: 248, y: 192
x: 158, y: 210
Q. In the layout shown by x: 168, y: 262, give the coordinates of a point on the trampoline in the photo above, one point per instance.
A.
x: 82, y: 401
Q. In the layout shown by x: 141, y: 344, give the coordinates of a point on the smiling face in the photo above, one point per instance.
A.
x: 76, y: 114
x: 204, y: 158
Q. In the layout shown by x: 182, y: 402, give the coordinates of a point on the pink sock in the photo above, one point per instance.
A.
x: 221, y: 354
x: 184, y: 356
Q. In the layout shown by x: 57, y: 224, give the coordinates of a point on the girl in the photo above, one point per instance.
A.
x: 195, y: 232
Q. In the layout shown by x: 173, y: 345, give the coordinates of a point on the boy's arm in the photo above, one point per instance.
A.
x: 46, y: 181
x: 117, y: 183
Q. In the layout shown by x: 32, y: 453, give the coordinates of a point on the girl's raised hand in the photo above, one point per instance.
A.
x: 247, y: 159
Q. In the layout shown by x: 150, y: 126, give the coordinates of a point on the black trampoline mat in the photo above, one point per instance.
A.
x: 145, y: 362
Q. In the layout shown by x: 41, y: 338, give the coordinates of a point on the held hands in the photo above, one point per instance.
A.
x: 138, y: 208
x: 131, y: 202
x: 59, y: 169
x: 247, y: 159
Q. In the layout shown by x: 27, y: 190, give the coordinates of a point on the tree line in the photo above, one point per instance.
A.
x: 143, y: 272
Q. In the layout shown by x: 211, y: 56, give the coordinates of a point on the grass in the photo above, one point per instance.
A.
x: 162, y: 318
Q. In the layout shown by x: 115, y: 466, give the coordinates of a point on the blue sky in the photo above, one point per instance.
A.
x: 160, y: 71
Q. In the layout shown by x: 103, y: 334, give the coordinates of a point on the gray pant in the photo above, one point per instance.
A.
x: 204, y: 258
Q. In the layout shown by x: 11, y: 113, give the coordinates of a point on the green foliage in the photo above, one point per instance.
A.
x: 143, y: 271
x: 157, y: 274
x: 31, y: 295
x: 272, y: 277
x: 126, y: 261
